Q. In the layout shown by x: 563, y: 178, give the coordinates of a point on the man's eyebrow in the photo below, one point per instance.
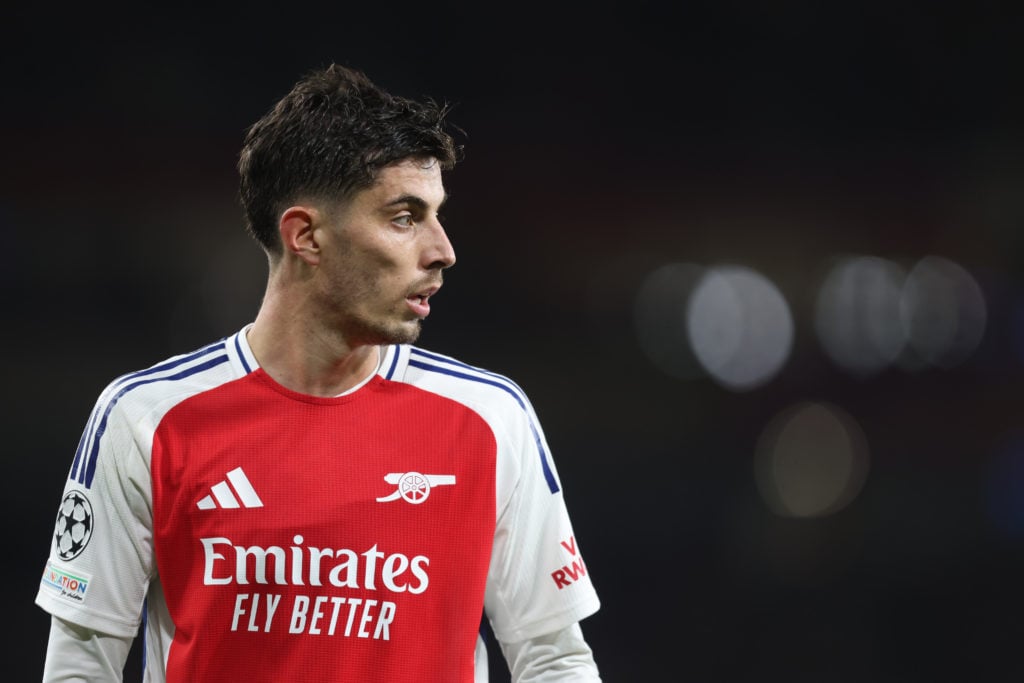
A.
x: 415, y: 200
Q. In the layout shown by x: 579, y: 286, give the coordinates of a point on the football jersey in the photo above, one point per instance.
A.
x: 259, y: 534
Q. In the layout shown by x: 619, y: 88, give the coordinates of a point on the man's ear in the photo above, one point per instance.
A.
x: 298, y: 233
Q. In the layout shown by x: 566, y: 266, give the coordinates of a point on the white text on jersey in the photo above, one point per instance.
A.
x: 290, y: 567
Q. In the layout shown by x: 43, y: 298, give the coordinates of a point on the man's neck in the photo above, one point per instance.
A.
x: 305, y: 358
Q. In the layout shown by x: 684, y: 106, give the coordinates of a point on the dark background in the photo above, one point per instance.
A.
x: 602, y: 141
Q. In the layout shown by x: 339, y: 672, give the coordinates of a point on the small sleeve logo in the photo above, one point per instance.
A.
x: 74, y: 525
x: 65, y: 585
x: 574, y: 569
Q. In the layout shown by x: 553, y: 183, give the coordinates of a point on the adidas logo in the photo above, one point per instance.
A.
x: 224, y: 494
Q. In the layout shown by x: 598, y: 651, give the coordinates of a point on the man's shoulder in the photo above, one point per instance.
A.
x: 177, y: 375
x: 450, y: 366
x: 449, y: 375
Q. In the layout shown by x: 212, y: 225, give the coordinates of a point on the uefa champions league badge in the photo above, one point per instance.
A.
x: 74, y: 526
x: 71, y: 534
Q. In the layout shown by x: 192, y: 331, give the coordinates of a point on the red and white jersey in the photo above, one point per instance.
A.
x: 265, y: 535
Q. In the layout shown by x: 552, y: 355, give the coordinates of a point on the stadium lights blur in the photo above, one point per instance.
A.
x: 871, y: 313
x: 740, y: 327
x: 811, y: 460
x: 943, y: 310
x: 732, y: 324
x: 857, y: 316
x: 659, y: 317
x: 727, y: 322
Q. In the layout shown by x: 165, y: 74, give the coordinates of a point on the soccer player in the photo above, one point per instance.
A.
x: 313, y: 498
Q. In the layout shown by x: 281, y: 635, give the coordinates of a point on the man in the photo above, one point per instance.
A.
x: 313, y: 498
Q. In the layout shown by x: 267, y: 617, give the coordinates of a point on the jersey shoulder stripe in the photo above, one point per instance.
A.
x: 396, y: 354
x: 241, y: 354
x: 444, y: 365
x: 83, y: 467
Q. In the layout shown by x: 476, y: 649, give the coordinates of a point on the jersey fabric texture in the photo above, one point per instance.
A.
x: 260, y: 534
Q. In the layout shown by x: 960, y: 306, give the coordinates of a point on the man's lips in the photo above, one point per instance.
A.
x: 419, y: 301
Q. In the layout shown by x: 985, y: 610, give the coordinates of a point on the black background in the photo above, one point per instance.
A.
x: 603, y: 140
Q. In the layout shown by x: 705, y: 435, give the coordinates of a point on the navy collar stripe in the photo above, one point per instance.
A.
x: 454, y: 363
x: 241, y: 354
x: 394, y: 361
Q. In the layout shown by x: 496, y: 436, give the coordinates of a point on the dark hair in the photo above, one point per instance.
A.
x: 329, y: 137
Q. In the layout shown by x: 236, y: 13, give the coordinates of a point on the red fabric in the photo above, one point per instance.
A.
x: 318, y: 467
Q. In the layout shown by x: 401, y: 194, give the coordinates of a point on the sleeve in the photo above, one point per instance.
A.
x: 557, y: 657
x: 75, y: 654
x: 101, y: 557
x: 538, y: 582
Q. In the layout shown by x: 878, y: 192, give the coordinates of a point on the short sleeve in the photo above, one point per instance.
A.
x: 538, y: 582
x: 101, y: 554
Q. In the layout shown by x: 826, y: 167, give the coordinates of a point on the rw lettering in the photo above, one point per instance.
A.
x: 574, y: 570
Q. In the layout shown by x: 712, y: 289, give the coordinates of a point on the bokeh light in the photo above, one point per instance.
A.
x: 871, y: 313
x: 857, y: 314
x: 943, y: 311
x: 659, y: 316
x: 740, y: 327
x: 811, y: 460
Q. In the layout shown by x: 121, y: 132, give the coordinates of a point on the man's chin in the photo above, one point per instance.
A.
x: 406, y: 337
x: 404, y: 333
x: 365, y: 331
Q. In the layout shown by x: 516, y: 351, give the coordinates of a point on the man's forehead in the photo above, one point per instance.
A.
x: 412, y: 166
x: 409, y: 177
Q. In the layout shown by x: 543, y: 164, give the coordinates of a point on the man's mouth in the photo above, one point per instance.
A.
x: 419, y: 301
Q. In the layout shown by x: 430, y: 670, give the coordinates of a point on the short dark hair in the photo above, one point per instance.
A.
x: 329, y: 137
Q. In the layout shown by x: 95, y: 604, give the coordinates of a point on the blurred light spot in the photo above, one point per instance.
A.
x: 811, y: 460
x: 871, y: 314
x: 943, y: 310
x: 740, y: 327
x: 659, y: 316
x: 857, y: 314
x: 1005, y: 489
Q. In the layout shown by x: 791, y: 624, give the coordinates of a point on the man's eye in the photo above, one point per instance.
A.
x: 406, y: 221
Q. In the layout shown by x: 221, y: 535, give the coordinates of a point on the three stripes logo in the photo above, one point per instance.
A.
x: 234, y: 492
